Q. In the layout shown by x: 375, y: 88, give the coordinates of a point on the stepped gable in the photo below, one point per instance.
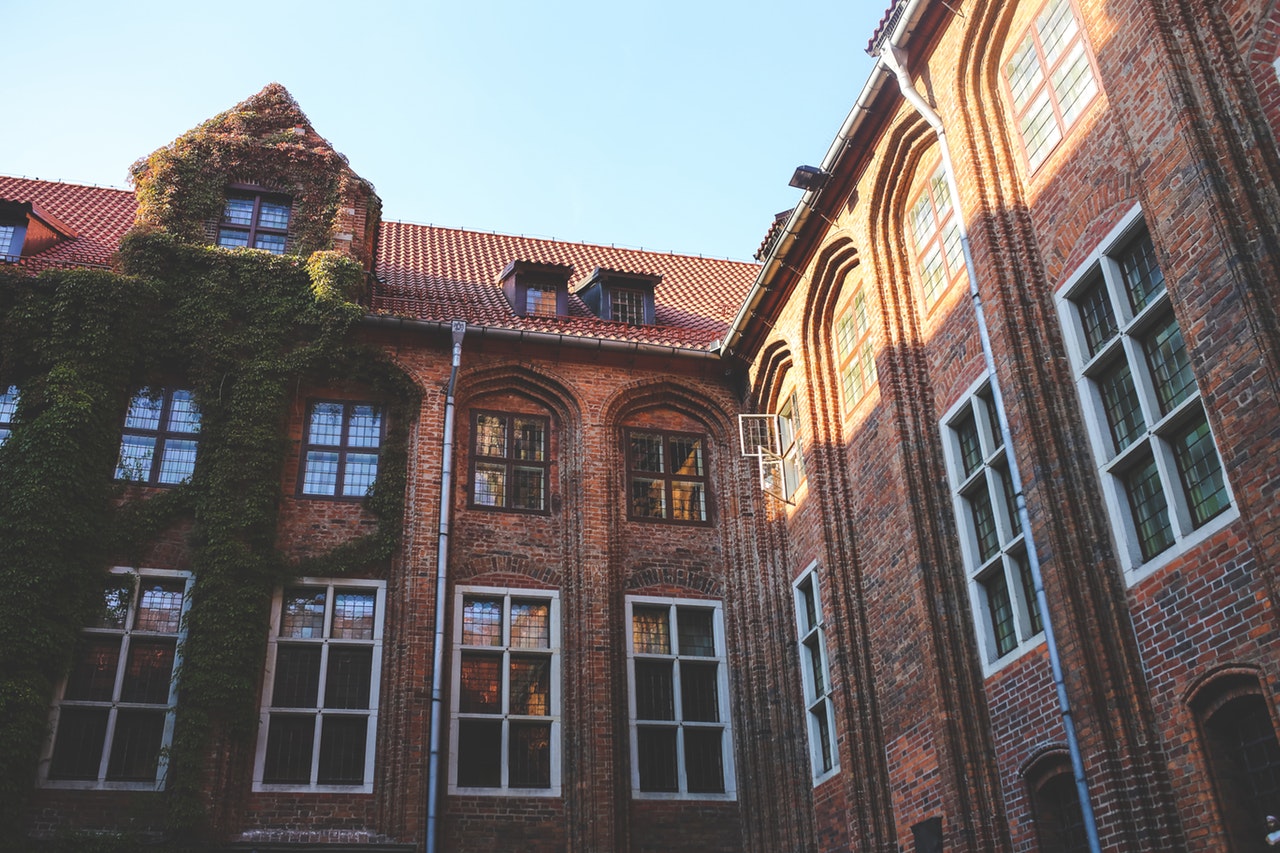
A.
x: 98, y: 215
x: 439, y: 274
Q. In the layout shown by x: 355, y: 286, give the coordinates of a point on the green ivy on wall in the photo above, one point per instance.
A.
x: 244, y: 330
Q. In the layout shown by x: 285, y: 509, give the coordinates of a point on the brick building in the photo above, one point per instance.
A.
x: 973, y: 477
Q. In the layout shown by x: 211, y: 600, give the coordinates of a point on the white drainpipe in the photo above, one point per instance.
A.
x: 893, y: 59
x: 459, y: 329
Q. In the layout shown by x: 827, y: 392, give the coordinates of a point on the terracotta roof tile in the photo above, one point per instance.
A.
x: 99, y: 215
x: 442, y: 274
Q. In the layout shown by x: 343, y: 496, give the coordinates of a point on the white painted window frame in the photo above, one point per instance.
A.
x: 817, y: 704
x: 331, y: 586
x: 1008, y: 531
x: 722, y: 686
x: 101, y: 784
x: 555, y: 717
x: 1124, y: 535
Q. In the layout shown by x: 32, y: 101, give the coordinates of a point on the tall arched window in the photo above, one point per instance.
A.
x: 1055, y: 803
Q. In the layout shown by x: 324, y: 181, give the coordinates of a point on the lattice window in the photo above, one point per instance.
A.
x: 666, y: 476
x: 505, y: 732
x: 680, y: 738
x: 1051, y: 79
x: 319, y: 703
x: 1151, y: 437
x: 510, y: 461
x: 1006, y: 613
x: 255, y: 220
x: 935, y: 230
x: 341, y: 449
x: 160, y: 437
x: 114, y: 714
x: 815, y: 675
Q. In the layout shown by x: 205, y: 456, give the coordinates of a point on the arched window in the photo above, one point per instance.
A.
x: 1055, y: 803
x: 1243, y: 755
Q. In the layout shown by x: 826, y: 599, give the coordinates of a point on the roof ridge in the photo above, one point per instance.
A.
x: 548, y: 239
x: 67, y: 183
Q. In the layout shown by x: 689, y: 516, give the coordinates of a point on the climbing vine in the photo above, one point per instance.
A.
x: 243, y: 330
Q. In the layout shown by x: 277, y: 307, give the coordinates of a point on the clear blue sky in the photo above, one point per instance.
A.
x: 666, y: 125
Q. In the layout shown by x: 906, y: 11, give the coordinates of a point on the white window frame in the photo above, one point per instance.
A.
x: 552, y: 597
x: 1111, y: 465
x: 819, y: 704
x: 137, y: 575
x: 1008, y: 562
x: 679, y: 724
x: 331, y: 586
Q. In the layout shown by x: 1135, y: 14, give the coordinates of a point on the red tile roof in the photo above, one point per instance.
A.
x: 443, y: 274
x: 99, y: 216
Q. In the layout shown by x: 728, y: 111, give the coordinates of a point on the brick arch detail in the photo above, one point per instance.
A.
x: 701, y: 581
x: 646, y: 395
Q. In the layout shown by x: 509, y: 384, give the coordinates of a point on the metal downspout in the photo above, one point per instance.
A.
x: 892, y: 57
x: 459, y: 329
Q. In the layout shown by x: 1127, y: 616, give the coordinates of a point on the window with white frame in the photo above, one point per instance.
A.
x: 160, y: 436
x: 506, y: 692
x: 995, y: 554
x: 935, y: 229
x: 774, y: 440
x: 857, y: 350
x: 114, y: 716
x: 8, y: 409
x: 320, y: 696
x: 1160, y: 468
x: 815, y: 675
x: 679, y: 699
x: 1051, y: 79
x: 792, y: 448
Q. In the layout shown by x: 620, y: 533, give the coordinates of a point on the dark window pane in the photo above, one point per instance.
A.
x: 1000, y: 611
x: 704, y: 761
x: 648, y: 498
x: 657, y: 759
x: 813, y: 655
x: 480, y: 684
x: 77, y: 748
x: 970, y: 445
x: 531, y: 439
x: 696, y: 636
x: 699, y: 692
x: 347, y: 683
x: 1120, y: 404
x: 1029, y: 593
x: 1059, y: 820
x: 150, y: 668
x: 1170, y: 367
x: 1150, y: 512
x: 1096, y: 317
x: 686, y: 456
x: 1143, y: 279
x: 809, y: 605
x: 135, y: 747
x: 530, y: 755
x: 646, y: 453
x: 1200, y: 472
x: 530, y: 685
x: 117, y: 592
x: 986, y: 535
x: 342, y: 750
x: 655, y: 699
x: 480, y: 753
x: 297, y: 681
x: 94, y: 676
x: 290, y: 741
x: 823, y: 727
x: 527, y: 489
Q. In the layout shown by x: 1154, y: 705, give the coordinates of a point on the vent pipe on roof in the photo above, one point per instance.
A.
x: 459, y: 330
x: 894, y: 59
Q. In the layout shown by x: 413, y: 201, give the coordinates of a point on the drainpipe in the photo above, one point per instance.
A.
x: 894, y: 58
x: 459, y: 329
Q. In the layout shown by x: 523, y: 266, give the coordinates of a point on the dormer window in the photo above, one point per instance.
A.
x: 255, y: 220
x: 621, y: 296
x: 10, y: 244
x: 537, y: 290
